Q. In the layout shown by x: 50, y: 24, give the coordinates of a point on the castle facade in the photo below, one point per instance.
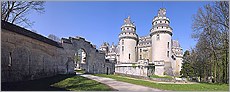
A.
x: 157, y: 53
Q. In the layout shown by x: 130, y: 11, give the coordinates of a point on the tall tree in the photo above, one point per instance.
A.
x: 15, y: 11
x: 187, y: 68
x: 211, y: 28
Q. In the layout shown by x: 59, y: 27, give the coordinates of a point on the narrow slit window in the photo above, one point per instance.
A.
x: 158, y: 37
x: 10, y: 59
x: 168, y: 45
x: 129, y: 55
x: 167, y: 53
x: 122, y: 48
x: 122, y: 42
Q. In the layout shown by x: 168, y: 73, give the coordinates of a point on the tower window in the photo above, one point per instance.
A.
x: 157, y: 27
x: 160, y: 21
x: 158, y: 37
x: 168, y: 45
x: 140, y: 50
x: 165, y: 21
x: 122, y: 42
x: 162, y: 26
x: 122, y: 48
x: 127, y: 28
x: 140, y: 57
x: 167, y: 53
x: 129, y: 55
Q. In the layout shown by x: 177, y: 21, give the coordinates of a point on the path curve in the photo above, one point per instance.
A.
x: 121, y: 86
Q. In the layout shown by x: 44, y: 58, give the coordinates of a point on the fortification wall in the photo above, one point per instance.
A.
x: 26, y: 55
x: 24, y: 58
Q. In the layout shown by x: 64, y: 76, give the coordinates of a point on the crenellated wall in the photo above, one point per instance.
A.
x: 26, y: 55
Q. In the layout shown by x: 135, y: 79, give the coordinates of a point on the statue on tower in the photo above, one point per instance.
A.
x: 162, y: 12
x: 128, y: 20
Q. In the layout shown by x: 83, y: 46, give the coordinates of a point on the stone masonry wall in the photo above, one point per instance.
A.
x: 26, y: 55
x: 24, y: 58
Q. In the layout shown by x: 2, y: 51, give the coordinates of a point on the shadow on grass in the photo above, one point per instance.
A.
x: 43, y: 84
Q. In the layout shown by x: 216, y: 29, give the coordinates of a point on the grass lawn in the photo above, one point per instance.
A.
x: 56, y: 83
x: 173, y: 87
x: 79, y: 83
x: 155, y: 76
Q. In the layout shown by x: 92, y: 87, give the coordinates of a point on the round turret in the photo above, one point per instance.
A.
x: 128, y: 30
x: 128, y: 42
x: 160, y: 23
x: 161, y: 35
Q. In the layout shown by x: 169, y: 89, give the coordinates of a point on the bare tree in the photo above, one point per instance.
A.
x: 15, y: 11
x: 54, y: 37
x: 211, y: 25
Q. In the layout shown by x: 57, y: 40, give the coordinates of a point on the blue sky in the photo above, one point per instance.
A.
x: 100, y: 22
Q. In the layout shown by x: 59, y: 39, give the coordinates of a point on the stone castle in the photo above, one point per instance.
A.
x: 155, y: 53
x: 27, y: 55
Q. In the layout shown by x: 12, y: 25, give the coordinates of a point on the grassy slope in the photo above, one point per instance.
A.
x: 78, y: 83
x: 174, y: 87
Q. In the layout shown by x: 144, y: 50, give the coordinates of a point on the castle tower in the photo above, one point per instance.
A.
x: 128, y: 42
x: 161, y: 34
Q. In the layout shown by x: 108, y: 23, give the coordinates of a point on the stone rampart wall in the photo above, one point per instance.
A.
x: 26, y: 55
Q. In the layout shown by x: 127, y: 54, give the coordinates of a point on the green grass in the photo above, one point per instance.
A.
x: 78, y: 83
x: 155, y: 76
x: 56, y: 83
x: 173, y: 87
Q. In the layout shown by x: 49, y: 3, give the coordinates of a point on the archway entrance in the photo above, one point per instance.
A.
x: 80, y: 60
